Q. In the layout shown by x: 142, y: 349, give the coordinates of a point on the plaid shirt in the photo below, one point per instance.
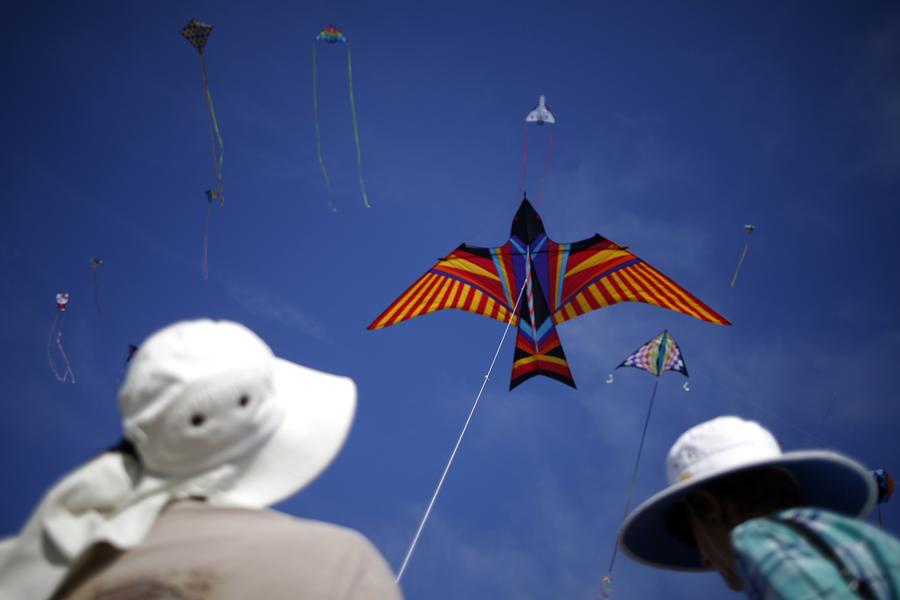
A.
x: 807, y: 553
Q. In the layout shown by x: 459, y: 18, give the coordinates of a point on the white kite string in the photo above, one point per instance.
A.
x: 437, y: 490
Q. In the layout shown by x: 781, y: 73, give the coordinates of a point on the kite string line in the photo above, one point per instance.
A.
x: 437, y: 490
x: 63, y: 353
x: 362, y: 183
x: 315, y: 91
x: 524, y: 159
x: 740, y: 262
x: 96, y: 291
x: 546, y: 168
x: 214, y: 133
x: 637, y: 462
x: 50, y: 360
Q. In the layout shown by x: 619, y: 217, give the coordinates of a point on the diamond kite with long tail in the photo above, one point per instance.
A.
x: 562, y: 281
x: 332, y: 35
x: 197, y: 33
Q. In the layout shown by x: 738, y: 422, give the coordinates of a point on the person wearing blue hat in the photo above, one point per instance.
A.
x: 774, y: 524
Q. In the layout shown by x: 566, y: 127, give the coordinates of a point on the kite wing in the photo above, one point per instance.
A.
x: 596, y: 273
x: 474, y: 279
x: 197, y: 33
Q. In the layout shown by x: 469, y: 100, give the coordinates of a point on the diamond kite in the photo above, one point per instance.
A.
x: 197, y: 33
x: 559, y: 283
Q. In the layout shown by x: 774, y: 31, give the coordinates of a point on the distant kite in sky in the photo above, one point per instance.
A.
x: 332, y: 35
x: 749, y: 229
x: 56, y: 330
x: 96, y: 263
x: 559, y: 282
x: 657, y: 356
x: 540, y: 114
x: 197, y: 33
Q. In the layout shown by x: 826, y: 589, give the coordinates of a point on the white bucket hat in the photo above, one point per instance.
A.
x: 212, y: 412
x: 725, y: 446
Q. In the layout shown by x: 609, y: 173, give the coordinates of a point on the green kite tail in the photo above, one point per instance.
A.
x: 362, y: 183
x: 318, y: 135
x: 215, y: 135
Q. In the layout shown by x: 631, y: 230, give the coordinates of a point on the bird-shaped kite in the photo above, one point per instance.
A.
x: 559, y: 282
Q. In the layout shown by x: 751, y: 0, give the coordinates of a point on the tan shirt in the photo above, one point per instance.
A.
x: 200, y: 552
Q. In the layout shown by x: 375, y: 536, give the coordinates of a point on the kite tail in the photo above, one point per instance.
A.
x: 440, y: 484
x: 524, y: 159
x: 362, y: 183
x: 740, y: 262
x: 637, y: 463
x: 56, y: 328
x: 206, y: 238
x: 218, y: 152
x: 315, y: 89
x: 540, y: 195
x: 96, y: 292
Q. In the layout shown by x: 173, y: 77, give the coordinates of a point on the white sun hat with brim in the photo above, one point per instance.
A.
x: 212, y: 413
x: 202, y: 394
x: 725, y: 446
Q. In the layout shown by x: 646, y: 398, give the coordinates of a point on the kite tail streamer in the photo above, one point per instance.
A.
x: 206, y: 236
x: 607, y: 579
x: 524, y: 160
x: 540, y: 195
x: 740, y: 262
x: 56, y: 328
x: 315, y: 88
x: 218, y: 152
x: 440, y: 484
x: 362, y: 183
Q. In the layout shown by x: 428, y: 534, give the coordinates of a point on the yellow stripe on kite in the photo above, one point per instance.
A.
x: 598, y: 259
x: 462, y: 264
x: 541, y: 357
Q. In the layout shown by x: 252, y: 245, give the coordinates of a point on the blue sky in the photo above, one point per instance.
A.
x: 677, y: 124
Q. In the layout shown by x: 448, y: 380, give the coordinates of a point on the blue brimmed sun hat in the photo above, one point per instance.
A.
x: 726, y: 446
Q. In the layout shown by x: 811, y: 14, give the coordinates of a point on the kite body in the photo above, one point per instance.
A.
x: 541, y: 113
x: 556, y: 282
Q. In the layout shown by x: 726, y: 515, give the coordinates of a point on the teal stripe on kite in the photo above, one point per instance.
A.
x: 495, y: 253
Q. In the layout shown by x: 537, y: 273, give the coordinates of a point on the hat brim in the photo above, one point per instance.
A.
x: 827, y: 480
x: 319, y: 410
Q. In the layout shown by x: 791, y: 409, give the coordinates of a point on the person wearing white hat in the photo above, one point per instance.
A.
x: 774, y: 524
x: 216, y: 429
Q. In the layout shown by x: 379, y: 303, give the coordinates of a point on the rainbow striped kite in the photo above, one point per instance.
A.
x: 558, y: 282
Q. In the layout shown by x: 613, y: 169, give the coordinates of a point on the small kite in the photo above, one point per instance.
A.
x: 197, y: 33
x: 131, y: 351
x: 559, y: 282
x: 885, y: 483
x: 332, y: 35
x: 540, y: 114
x: 657, y: 356
x: 56, y: 330
x: 749, y: 229
x: 96, y: 263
